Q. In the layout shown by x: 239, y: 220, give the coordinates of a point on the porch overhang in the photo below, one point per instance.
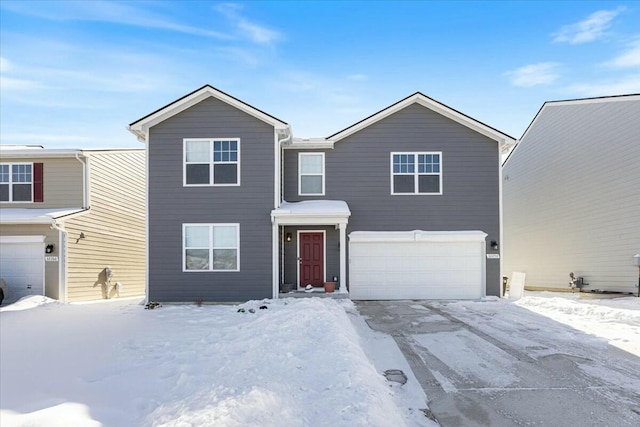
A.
x: 312, y: 212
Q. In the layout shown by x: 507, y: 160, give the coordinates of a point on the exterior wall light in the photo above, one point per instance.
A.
x: 494, y: 245
x: 49, y: 248
x: 289, y: 237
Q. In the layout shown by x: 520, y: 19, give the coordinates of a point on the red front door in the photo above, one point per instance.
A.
x: 311, y: 260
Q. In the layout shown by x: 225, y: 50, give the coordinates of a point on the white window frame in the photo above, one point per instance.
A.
x: 210, y: 248
x: 11, y: 183
x: 211, y: 162
x: 300, y: 174
x: 415, y: 173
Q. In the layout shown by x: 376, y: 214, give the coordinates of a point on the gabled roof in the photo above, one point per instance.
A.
x: 438, y: 107
x: 572, y: 102
x: 141, y: 126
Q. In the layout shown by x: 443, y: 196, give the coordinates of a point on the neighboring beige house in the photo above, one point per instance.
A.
x: 72, y: 223
x: 571, y: 196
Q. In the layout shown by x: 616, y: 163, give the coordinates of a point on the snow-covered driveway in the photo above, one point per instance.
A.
x: 543, y: 360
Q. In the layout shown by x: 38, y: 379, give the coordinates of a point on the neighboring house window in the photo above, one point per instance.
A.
x: 416, y: 173
x: 212, y: 161
x: 211, y: 247
x: 311, y: 174
x: 16, y: 182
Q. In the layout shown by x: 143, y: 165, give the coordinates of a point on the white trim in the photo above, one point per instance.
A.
x: 418, y: 98
x: 418, y: 236
x: 22, y: 239
x: 300, y: 156
x: 311, y: 212
x: 10, y: 183
x: 146, y: 217
x: 343, y: 258
x: 416, y: 174
x: 310, y: 144
x: 211, y: 162
x: 501, y: 225
x: 211, y: 248
x: 141, y: 127
x: 38, y: 216
x: 324, y: 255
x: 275, y: 264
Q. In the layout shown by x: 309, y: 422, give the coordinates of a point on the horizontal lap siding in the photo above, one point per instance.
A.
x: 114, y: 228
x: 62, y: 183
x: 171, y: 205
x: 358, y: 171
x: 572, y: 197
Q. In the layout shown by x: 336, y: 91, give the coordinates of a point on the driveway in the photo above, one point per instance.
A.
x: 482, y: 365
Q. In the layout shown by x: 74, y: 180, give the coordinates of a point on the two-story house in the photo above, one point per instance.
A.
x: 403, y: 204
x: 72, y: 223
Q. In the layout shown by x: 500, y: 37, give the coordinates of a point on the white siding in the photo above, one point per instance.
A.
x: 572, y: 196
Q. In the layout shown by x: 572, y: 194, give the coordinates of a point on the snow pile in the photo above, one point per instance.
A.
x: 26, y: 303
x: 617, y: 319
x: 296, y: 363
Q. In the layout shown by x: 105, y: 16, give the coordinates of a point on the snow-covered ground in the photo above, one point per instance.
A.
x: 300, y: 362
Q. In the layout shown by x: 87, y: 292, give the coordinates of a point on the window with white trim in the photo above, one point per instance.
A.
x: 311, y: 174
x: 416, y: 173
x: 16, y: 182
x: 211, y: 247
x: 212, y: 161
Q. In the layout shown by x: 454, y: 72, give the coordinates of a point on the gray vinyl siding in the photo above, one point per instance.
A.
x: 62, y: 183
x: 332, y: 251
x: 171, y: 205
x: 358, y: 172
x: 572, y: 197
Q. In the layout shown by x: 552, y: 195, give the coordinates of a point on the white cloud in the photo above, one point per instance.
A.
x: 629, y: 58
x: 625, y: 85
x: 105, y: 11
x: 357, y: 77
x: 5, y: 65
x: 589, y: 29
x: 542, y: 73
x: 11, y: 84
x: 256, y: 33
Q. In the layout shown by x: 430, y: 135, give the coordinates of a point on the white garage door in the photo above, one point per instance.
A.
x: 416, y: 265
x: 22, y: 267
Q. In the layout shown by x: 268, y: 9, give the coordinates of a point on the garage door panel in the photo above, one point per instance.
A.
x: 417, y: 269
x: 22, y: 267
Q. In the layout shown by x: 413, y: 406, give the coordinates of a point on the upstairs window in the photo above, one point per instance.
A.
x: 16, y: 182
x: 416, y: 173
x: 311, y: 174
x: 212, y: 162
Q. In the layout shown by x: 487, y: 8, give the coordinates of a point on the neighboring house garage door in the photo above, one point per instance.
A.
x: 22, y: 267
x: 416, y: 265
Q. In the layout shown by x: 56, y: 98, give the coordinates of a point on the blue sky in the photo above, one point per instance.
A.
x: 75, y: 74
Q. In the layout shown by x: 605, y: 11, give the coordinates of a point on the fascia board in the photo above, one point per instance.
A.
x: 434, y: 106
x: 141, y: 127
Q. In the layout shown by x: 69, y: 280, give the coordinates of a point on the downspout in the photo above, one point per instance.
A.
x: 278, y: 196
x: 85, y: 182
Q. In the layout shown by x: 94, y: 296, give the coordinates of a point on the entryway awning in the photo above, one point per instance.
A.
x: 36, y: 216
x: 312, y: 212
